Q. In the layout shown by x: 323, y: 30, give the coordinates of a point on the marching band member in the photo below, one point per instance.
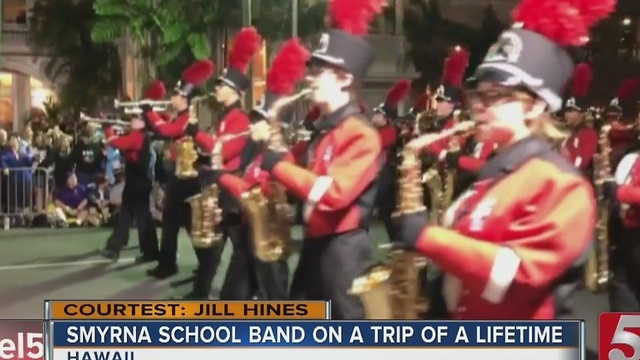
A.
x: 528, y: 221
x: 622, y: 113
x: 247, y: 276
x: 582, y: 144
x: 339, y: 183
x: 229, y: 88
x: 136, y: 149
x: 176, y: 213
x: 624, y: 229
x: 384, y: 118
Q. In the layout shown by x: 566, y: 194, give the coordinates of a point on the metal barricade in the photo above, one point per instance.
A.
x: 24, y: 194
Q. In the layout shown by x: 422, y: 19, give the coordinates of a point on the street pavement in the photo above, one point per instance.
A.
x: 58, y: 264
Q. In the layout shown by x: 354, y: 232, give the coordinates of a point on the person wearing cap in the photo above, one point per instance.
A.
x: 623, y: 231
x: 135, y: 147
x: 339, y: 183
x: 229, y: 90
x: 512, y: 246
x: 177, y: 212
x: 384, y: 119
x: 582, y: 144
x: 622, y: 114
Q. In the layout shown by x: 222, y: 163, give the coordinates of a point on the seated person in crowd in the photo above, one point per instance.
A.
x: 72, y: 202
x: 99, y: 212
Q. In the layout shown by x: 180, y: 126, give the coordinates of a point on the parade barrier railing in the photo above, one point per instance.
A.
x: 25, y: 192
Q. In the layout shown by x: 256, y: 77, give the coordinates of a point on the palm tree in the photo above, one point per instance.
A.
x: 61, y: 33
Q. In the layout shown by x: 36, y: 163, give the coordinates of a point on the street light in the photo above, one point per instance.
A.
x: 626, y: 21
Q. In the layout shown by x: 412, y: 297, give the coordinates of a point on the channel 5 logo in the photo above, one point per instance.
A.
x: 619, y: 336
x: 21, y: 340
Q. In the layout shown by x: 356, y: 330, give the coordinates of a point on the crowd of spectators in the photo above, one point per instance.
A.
x: 52, y: 178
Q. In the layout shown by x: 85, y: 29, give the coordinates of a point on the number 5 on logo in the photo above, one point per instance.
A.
x: 619, y: 336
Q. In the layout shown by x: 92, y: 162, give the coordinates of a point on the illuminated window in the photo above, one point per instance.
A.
x: 14, y: 11
x: 40, y: 95
x: 6, y: 100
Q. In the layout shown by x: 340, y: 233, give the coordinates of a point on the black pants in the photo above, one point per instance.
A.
x: 386, y: 197
x: 135, y: 205
x: 209, y: 258
x: 247, y: 276
x: 175, y: 214
x: 624, y: 291
x: 327, y: 268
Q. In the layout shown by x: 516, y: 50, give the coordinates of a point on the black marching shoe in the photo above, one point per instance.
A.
x: 161, y: 272
x: 110, y: 254
x: 143, y: 259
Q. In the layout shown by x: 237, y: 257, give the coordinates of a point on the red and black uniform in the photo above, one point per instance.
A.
x: 624, y: 232
x: 176, y: 212
x: 135, y: 148
x: 234, y: 121
x: 580, y: 147
x: 621, y: 135
x: 339, y: 188
x: 247, y: 276
x: 502, y: 246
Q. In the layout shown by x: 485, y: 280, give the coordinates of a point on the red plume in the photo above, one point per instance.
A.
x: 155, y: 91
x: 245, y: 45
x: 354, y: 16
x: 288, y: 68
x: 398, y: 92
x: 363, y: 107
x: 565, y: 22
x: 455, y: 66
x: 582, y: 77
x: 313, y: 114
x: 628, y: 88
x: 199, y: 72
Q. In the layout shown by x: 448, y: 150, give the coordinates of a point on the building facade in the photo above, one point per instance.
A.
x: 24, y: 87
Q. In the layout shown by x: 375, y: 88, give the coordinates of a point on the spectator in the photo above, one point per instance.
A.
x: 113, y: 162
x: 88, y: 157
x: 26, y: 140
x: 4, y: 137
x: 71, y: 202
x: 115, y: 192
x: 99, y: 212
x: 62, y: 162
x: 16, y: 167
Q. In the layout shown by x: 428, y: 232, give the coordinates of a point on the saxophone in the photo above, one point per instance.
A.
x: 271, y: 217
x: 597, y: 274
x: 205, y: 210
x: 393, y: 291
x: 186, y: 153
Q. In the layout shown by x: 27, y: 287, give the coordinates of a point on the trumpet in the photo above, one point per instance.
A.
x: 117, y: 122
x: 153, y: 103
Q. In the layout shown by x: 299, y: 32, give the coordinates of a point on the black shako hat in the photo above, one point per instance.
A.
x: 235, y: 79
x: 525, y: 58
x: 246, y: 44
x: 351, y: 53
x: 449, y: 93
x: 575, y: 103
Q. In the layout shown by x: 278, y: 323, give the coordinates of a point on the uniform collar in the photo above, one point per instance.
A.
x: 515, y: 155
x: 334, y: 119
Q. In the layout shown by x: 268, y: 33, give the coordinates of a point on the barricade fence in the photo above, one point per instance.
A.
x: 25, y: 193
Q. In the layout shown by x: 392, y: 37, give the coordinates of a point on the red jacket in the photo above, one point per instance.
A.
x: 234, y: 122
x: 506, y: 247
x: 474, y: 161
x: 173, y: 130
x: 388, y: 138
x: 253, y: 176
x: 344, y: 164
x: 621, y: 136
x: 628, y: 193
x: 128, y: 144
x: 440, y: 147
x: 580, y: 147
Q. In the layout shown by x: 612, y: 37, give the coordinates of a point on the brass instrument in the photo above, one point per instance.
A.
x: 393, y: 291
x: 186, y: 151
x: 271, y: 217
x: 441, y: 190
x: 99, y: 121
x: 426, y: 119
x: 161, y: 105
x: 597, y: 274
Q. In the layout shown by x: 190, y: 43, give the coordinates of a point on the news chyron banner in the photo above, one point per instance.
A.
x: 178, y: 330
